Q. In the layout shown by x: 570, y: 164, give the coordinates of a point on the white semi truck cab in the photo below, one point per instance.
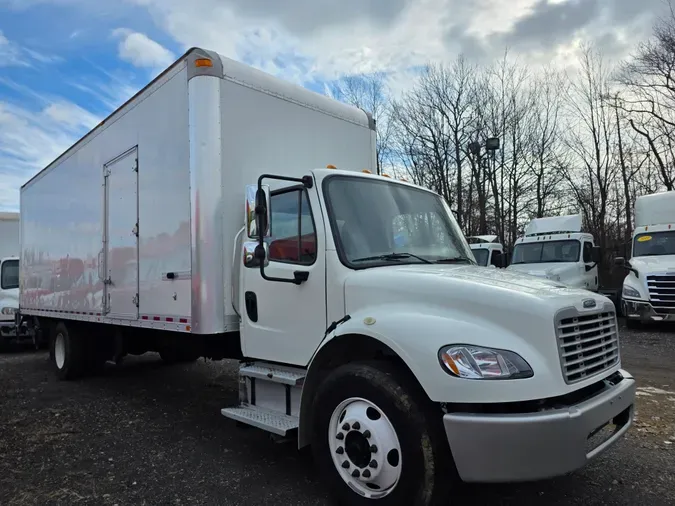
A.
x: 555, y: 248
x: 487, y: 250
x: 353, y: 302
x: 649, y: 288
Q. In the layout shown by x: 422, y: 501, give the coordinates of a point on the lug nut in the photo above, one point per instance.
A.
x: 373, y: 449
x: 340, y: 436
x: 340, y: 450
x: 345, y: 464
x: 373, y: 464
x: 355, y: 473
x: 345, y: 426
x: 356, y: 426
x: 366, y: 473
x: 366, y: 434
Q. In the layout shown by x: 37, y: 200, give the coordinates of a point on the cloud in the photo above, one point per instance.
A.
x: 141, y: 51
x: 31, y: 139
x: 10, y: 52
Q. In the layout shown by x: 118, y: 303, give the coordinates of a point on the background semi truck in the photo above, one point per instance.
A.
x: 194, y: 222
x: 487, y: 250
x: 649, y: 288
x: 555, y: 248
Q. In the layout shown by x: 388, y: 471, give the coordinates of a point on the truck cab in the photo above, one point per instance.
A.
x: 396, y: 333
x: 555, y: 248
x: 9, y: 293
x: 487, y: 250
x: 649, y: 287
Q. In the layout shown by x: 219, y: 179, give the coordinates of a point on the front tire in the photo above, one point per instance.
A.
x: 377, y: 439
x: 67, y: 353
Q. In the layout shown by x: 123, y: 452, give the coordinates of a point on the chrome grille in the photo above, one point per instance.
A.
x: 662, y: 292
x: 588, y: 343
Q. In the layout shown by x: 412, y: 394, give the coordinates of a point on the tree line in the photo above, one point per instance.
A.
x: 588, y: 141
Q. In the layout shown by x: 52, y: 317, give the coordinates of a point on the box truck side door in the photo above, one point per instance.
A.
x: 121, y: 236
x: 285, y: 322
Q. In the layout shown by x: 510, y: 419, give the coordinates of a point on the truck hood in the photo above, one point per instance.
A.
x: 654, y: 264
x: 556, y: 271
x: 493, y: 294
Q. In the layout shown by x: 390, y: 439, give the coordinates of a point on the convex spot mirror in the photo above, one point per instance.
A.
x: 257, y: 211
x: 252, y: 254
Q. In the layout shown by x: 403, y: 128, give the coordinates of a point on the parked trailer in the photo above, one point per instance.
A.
x: 352, y: 300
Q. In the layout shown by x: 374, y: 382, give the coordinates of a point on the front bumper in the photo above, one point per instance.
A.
x: 644, y: 311
x: 540, y: 445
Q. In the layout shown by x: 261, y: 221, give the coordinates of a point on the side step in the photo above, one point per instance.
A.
x: 275, y: 374
x: 269, y: 397
x: 271, y: 421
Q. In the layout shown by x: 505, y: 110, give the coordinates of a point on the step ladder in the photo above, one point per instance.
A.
x: 269, y: 397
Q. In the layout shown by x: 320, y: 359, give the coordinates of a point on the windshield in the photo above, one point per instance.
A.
x: 654, y: 244
x: 481, y: 255
x: 373, y: 219
x: 9, y: 278
x: 546, y: 251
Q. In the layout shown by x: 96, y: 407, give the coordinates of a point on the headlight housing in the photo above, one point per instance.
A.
x: 629, y: 291
x: 8, y: 310
x: 475, y: 362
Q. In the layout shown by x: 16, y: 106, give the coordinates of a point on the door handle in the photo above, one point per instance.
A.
x: 251, y: 301
x: 300, y: 277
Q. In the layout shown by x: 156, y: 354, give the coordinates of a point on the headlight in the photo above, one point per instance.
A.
x: 629, y: 291
x: 8, y: 310
x: 473, y: 362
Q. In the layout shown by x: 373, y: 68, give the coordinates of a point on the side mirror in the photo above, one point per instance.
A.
x: 620, y: 262
x: 499, y: 259
x: 257, y: 211
x: 596, y: 254
x: 252, y: 255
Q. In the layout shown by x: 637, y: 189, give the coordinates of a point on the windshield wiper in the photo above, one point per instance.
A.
x: 393, y: 256
x: 455, y: 260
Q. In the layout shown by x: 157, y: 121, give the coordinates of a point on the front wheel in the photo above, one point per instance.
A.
x: 67, y: 353
x: 377, y: 439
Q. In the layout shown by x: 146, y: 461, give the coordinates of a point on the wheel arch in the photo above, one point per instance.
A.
x: 342, y: 349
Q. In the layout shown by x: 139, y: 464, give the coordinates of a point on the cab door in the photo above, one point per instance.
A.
x: 283, y: 321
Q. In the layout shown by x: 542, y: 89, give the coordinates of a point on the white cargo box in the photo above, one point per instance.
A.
x: 9, y: 235
x: 136, y: 223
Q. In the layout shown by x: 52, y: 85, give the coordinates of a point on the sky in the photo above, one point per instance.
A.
x: 66, y: 64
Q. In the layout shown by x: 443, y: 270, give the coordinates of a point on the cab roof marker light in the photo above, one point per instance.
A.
x: 366, y: 171
x: 386, y: 175
x: 331, y: 166
x: 203, y: 62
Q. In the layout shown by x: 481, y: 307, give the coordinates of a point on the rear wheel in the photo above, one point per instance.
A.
x: 67, y: 353
x: 377, y: 440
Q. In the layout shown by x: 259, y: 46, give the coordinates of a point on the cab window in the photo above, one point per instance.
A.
x: 293, y: 236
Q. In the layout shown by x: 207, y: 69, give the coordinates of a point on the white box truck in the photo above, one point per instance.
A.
x: 194, y: 222
x: 9, y: 273
x: 649, y: 288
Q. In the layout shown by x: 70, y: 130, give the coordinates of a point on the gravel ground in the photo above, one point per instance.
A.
x: 144, y: 433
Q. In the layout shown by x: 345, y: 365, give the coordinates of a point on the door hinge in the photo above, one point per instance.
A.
x: 136, y: 165
x: 135, y: 230
x: 135, y: 301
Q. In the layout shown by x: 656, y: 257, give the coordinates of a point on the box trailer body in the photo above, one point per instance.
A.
x: 195, y: 222
x: 9, y: 272
x: 648, y: 292
x: 135, y: 224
